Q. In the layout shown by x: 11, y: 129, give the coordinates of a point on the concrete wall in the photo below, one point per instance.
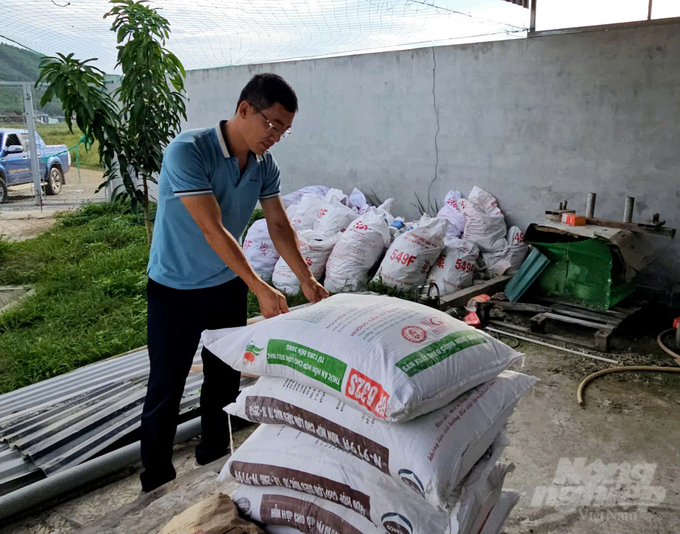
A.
x: 534, y: 121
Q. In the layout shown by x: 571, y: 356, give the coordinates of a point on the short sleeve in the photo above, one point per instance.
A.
x: 271, y: 182
x: 184, y: 168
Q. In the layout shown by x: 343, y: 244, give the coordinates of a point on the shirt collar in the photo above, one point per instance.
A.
x: 223, y: 143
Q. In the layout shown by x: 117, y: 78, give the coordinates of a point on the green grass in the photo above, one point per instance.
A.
x: 58, y: 134
x: 89, y: 274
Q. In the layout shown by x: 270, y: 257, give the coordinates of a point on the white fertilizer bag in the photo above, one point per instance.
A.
x: 515, y: 236
x: 506, y: 262
x: 358, y: 200
x: 259, y: 250
x: 334, y: 216
x: 391, y: 358
x: 356, y: 252
x: 303, y: 214
x: 454, y: 268
x: 315, y: 250
x: 474, y: 508
x: 276, y: 455
x: 296, y: 196
x: 451, y: 212
x: 412, y: 255
x: 429, y: 455
x: 485, y: 200
x: 484, y: 230
x: 511, y: 258
x: 281, y: 507
x: 500, y: 513
x: 336, y: 194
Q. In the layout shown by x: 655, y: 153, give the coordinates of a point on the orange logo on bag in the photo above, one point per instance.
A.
x: 367, y: 392
x: 251, y: 352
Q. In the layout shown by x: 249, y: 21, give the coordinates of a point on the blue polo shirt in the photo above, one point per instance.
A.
x: 197, y: 162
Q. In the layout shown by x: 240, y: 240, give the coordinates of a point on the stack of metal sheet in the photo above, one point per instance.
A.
x: 61, y: 422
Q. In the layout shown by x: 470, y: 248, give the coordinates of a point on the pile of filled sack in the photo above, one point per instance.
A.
x: 347, y: 242
x: 379, y: 415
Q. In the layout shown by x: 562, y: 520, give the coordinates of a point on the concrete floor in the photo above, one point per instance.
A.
x: 20, y: 225
x: 630, y: 417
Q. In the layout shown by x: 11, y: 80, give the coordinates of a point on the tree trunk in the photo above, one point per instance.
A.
x: 147, y: 218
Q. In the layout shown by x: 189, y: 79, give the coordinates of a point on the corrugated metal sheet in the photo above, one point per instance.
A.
x: 63, y: 421
x: 527, y: 274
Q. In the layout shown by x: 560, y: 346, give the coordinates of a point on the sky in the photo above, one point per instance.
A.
x: 218, y: 33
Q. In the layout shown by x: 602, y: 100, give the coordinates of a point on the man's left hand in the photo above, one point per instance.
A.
x: 314, y: 291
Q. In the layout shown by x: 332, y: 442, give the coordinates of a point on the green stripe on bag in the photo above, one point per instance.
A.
x: 438, y: 351
x: 309, y: 362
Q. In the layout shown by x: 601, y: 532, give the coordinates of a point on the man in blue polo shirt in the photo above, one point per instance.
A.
x: 210, y: 183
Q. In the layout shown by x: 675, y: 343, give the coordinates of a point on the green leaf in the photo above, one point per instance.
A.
x: 121, y: 35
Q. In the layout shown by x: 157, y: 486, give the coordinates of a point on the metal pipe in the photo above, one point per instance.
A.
x: 628, y: 211
x: 590, y: 205
x: 584, y: 354
x: 54, y: 485
x: 32, y: 148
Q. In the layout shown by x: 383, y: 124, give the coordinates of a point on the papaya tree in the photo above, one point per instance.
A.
x: 134, y: 122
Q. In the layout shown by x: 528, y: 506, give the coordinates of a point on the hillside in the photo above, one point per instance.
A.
x: 19, y: 65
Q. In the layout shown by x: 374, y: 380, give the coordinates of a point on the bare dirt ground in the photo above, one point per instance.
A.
x: 21, y: 219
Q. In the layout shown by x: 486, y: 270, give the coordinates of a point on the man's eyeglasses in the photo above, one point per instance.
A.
x: 283, y: 133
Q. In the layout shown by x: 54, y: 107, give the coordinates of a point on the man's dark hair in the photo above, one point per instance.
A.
x: 265, y: 90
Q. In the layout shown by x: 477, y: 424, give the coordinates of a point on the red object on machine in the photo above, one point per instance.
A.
x: 573, y: 220
x: 676, y: 322
x: 472, y: 303
x: 472, y: 319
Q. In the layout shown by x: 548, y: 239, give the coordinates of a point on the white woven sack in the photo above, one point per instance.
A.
x: 334, y: 216
x: 500, y: 513
x: 303, y: 214
x: 485, y: 231
x: 315, y: 250
x: 356, y: 252
x: 296, y: 196
x: 510, y: 259
x: 485, y: 200
x: 429, y: 455
x: 281, y: 507
x: 259, y: 250
x: 279, y: 456
x: 451, y: 212
x: 486, y: 491
x: 411, y: 256
x: 454, y: 268
x: 391, y: 358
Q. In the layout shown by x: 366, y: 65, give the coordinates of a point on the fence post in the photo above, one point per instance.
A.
x: 33, y: 149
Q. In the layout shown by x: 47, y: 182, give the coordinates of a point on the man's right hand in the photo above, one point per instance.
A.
x: 272, y: 302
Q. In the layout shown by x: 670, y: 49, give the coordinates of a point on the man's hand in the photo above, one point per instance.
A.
x: 314, y: 291
x: 272, y: 302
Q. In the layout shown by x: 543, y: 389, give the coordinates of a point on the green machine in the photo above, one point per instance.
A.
x: 591, y: 266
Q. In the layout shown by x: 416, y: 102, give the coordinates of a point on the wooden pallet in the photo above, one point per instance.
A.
x: 605, y: 323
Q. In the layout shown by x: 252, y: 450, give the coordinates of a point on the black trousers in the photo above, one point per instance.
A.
x: 175, y: 321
